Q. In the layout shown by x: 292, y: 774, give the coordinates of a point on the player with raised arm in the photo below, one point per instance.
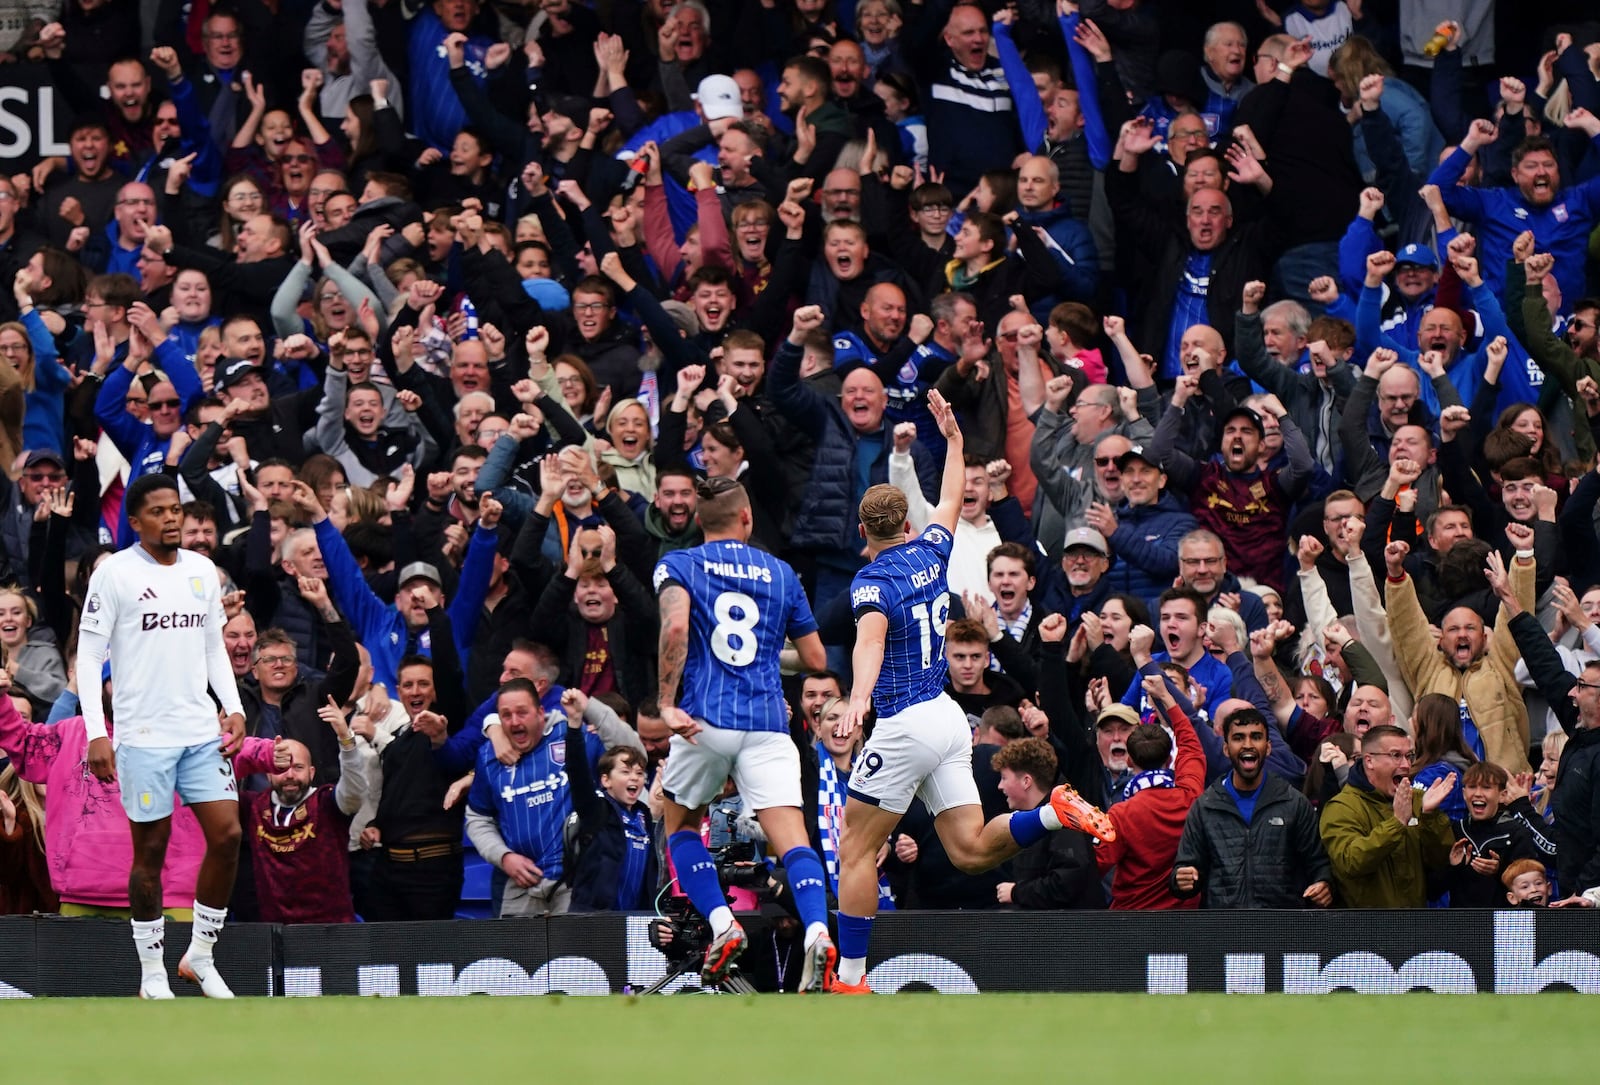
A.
x: 921, y: 745
x: 158, y: 610
x: 726, y: 609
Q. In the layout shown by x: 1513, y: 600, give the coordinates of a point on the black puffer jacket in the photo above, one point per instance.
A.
x: 1266, y: 864
x: 1057, y: 872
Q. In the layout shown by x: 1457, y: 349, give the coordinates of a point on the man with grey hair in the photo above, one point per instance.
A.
x: 470, y: 411
x: 1068, y: 240
x: 1064, y: 454
x: 1226, y: 56
x: 1284, y: 325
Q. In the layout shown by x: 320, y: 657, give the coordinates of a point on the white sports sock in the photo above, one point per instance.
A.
x: 852, y: 970
x: 207, y: 925
x: 815, y: 931
x: 1049, y: 818
x: 721, y: 918
x: 149, y: 937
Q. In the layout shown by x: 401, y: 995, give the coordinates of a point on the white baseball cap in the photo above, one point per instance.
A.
x: 718, y: 96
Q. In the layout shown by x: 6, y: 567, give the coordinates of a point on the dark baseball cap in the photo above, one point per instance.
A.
x: 1136, y: 452
x: 1248, y: 415
x: 43, y: 455
x: 230, y: 373
x: 572, y: 107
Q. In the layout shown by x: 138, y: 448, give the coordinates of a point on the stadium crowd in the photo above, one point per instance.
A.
x: 1272, y: 331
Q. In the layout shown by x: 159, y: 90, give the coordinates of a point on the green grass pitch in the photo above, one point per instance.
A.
x: 899, y: 1040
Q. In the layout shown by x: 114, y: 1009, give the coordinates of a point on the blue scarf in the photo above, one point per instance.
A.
x: 1145, y: 780
x: 830, y: 826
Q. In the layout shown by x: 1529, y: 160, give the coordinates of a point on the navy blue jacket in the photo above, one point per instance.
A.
x: 828, y: 517
x: 602, y: 838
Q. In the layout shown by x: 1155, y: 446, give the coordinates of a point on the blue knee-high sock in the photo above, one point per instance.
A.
x: 855, y: 933
x: 809, y: 884
x: 697, y: 872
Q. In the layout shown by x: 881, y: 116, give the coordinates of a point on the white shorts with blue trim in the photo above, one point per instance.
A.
x: 922, y: 752
x: 148, y: 776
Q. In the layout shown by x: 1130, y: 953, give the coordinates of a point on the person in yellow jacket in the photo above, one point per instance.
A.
x: 1475, y: 670
x: 1380, y: 841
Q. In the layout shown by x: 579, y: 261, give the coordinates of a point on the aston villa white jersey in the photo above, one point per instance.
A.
x: 164, y: 624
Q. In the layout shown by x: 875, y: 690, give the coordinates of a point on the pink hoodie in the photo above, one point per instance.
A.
x: 86, y: 841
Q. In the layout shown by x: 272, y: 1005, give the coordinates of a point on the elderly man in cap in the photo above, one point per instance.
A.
x: 1079, y: 584
x: 393, y: 631
x: 1144, y: 528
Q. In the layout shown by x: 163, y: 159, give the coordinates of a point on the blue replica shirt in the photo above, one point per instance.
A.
x: 531, y: 800
x: 1188, y: 309
x: 1208, y: 671
x: 907, y: 585
x: 743, y: 603
x: 908, y: 393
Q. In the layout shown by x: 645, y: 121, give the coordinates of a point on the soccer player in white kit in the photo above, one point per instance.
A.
x: 157, y: 609
x: 921, y: 746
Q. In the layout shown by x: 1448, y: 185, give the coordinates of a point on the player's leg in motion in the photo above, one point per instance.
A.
x: 785, y: 829
x: 144, y: 900
x: 219, y: 821
x: 866, y: 827
x: 697, y: 877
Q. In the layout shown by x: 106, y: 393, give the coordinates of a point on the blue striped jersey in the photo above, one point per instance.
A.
x: 906, y: 584
x: 743, y: 603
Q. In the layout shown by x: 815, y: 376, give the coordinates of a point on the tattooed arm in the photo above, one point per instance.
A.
x: 674, y: 645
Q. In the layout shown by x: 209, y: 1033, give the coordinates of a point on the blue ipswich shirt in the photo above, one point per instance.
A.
x: 743, y: 603
x: 906, y: 584
x: 531, y: 800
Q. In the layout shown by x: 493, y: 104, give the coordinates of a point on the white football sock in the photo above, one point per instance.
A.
x: 721, y: 918
x: 852, y: 970
x: 207, y: 925
x: 149, y: 938
x: 815, y: 931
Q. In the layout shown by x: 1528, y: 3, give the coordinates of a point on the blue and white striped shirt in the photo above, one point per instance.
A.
x: 743, y: 603
x: 907, y: 585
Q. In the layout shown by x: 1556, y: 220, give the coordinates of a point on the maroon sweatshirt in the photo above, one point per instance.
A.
x: 302, y: 868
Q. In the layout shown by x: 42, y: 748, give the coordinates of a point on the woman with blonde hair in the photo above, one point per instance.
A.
x: 628, y: 428
x: 32, y: 658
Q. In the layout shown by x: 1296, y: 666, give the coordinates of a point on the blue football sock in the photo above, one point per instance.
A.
x: 697, y: 872
x: 809, y: 884
x: 855, y: 933
x: 1027, y: 827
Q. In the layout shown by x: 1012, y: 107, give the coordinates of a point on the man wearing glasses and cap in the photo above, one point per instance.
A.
x: 1144, y: 529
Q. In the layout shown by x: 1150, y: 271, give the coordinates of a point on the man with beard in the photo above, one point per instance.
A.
x: 1380, y: 845
x: 298, y: 833
x: 1561, y: 218
x: 1246, y: 506
x: 1227, y: 864
x: 1468, y: 665
x: 940, y: 337
x: 803, y: 95
x: 670, y: 518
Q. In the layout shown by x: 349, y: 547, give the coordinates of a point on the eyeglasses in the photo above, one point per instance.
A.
x: 839, y: 193
x: 566, y: 382
x: 222, y: 35
x: 490, y: 434
x: 1082, y: 557
x: 1397, y: 399
x: 589, y: 307
x: 358, y: 352
x: 1585, y: 685
x: 1104, y: 461
x: 164, y: 404
x: 131, y: 400
x: 276, y: 661
x: 136, y: 201
x: 934, y: 209
x: 1580, y: 325
x: 1392, y: 755
x: 244, y: 195
x: 52, y: 476
x: 13, y: 348
x: 94, y: 303
x: 1201, y: 136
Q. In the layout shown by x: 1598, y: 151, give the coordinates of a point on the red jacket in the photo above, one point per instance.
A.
x: 1149, y: 825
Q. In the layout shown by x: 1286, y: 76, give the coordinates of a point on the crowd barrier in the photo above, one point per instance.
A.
x: 1462, y: 952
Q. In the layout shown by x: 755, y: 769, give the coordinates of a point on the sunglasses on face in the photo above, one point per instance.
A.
x: 164, y: 404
